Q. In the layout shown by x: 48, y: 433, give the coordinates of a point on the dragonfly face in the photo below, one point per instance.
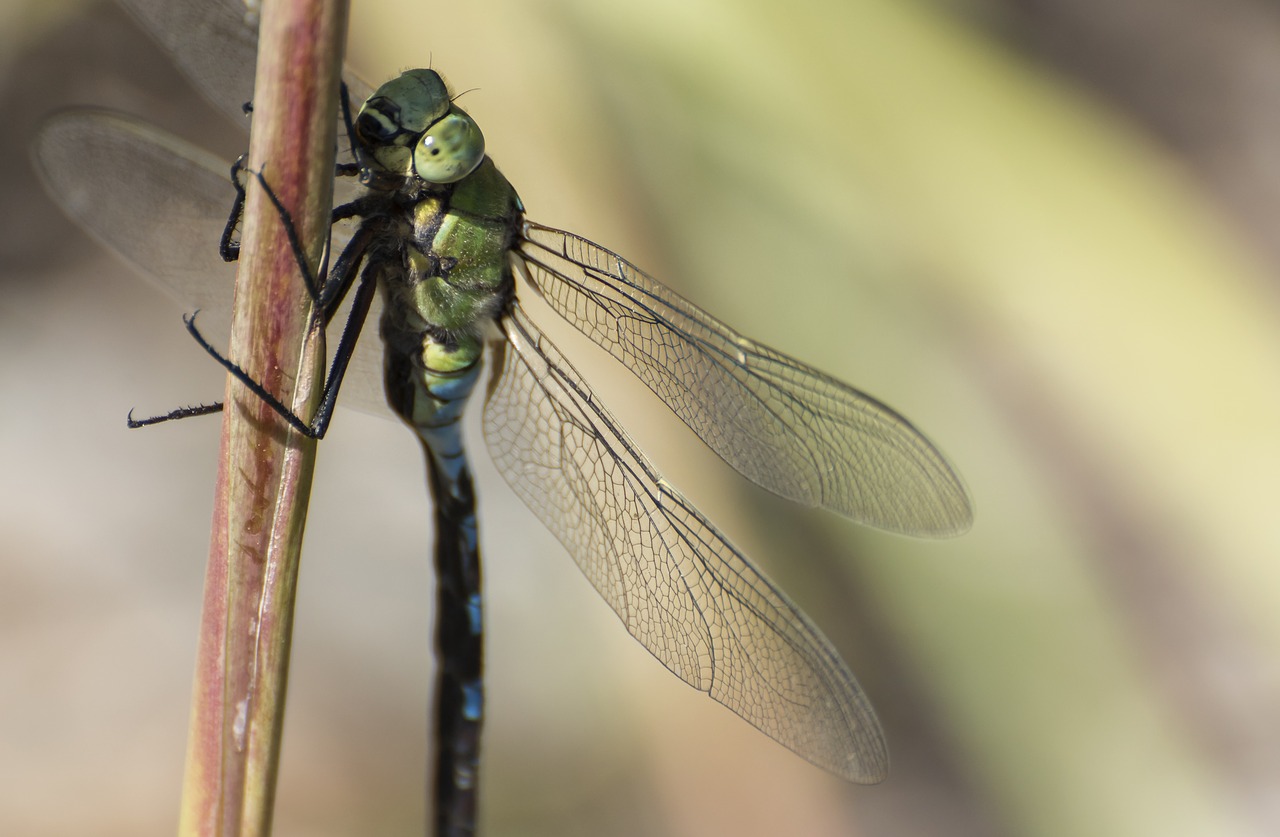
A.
x: 410, y: 128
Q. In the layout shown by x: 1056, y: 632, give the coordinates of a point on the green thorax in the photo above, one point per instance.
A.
x: 457, y: 272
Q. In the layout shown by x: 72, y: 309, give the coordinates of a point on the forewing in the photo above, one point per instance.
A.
x: 680, y: 588
x: 161, y: 204
x: 784, y: 425
x: 215, y: 44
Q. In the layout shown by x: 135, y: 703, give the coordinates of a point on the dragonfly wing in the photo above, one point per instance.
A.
x: 156, y: 201
x: 161, y: 204
x: 680, y: 588
x: 784, y: 425
x: 216, y: 46
x: 211, y: 43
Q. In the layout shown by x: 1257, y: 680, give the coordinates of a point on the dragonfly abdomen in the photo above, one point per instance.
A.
x: 428, y: 387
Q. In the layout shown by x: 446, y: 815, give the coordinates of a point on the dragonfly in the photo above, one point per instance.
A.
x: 435, y: 245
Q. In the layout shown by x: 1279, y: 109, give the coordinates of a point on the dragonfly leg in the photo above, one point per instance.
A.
x: 338, y: 282
x: 347, y: 343
x: 312, y: 280
x: 344, y: 105
x: 256, y: 388
x: 229, y: 245
x: 174, y: 415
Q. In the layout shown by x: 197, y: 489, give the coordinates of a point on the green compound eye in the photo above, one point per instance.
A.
x: 450, y: 151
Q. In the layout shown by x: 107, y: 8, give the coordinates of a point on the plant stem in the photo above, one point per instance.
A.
x: 265, y: 472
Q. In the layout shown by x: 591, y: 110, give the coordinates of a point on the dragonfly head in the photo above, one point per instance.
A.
x: 410, y: 128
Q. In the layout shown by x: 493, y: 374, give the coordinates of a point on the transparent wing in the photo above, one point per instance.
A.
x: 784, y: 425
x: 680, y: 588
x: 161, y: 204
x: 216, y: 47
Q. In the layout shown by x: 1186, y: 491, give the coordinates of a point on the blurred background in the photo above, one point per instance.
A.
x: 1048, y: 232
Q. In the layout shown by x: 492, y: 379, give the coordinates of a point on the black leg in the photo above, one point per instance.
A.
x: 312, y: 281
x: 344, y: 272
x: 346, y: 347
x: 229, y: 245
x: 333, y: 383
x: 173, y: 415
x: 254, y: 387
x: 344, y: 106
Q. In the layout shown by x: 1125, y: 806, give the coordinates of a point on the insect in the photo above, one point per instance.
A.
x: 441, y: 237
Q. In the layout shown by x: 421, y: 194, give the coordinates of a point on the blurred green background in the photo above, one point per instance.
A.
x: 1048, y: 232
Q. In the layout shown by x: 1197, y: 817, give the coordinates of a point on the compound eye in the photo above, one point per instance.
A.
x: 450, y: 150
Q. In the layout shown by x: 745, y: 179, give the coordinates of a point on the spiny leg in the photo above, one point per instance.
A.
x: 174, y: 415
x: 229, y: 245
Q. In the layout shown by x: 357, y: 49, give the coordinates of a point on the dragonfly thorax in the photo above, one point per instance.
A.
x: 443, y: 254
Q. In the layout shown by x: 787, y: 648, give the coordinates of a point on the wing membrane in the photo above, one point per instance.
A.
x: 161, y: 204
x: 680, y: 588
x: 216, y: 47
x: 784, y: 425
